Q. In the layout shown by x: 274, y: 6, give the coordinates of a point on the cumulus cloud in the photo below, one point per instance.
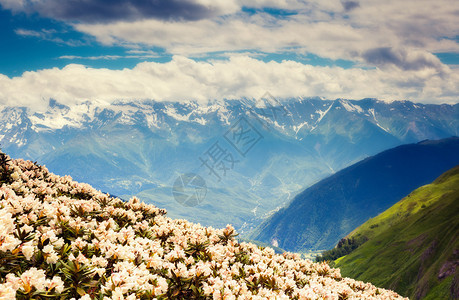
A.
x: 332, y: 40
x: 321, y: 28
x: 403, y: 59
x: 395, y: 39
x: 335, y: 29
x: 186, y: 79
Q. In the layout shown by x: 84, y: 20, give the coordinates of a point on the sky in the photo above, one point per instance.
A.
x: 176, y: 50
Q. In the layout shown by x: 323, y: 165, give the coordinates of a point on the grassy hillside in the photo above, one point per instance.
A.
x: 413, y: 247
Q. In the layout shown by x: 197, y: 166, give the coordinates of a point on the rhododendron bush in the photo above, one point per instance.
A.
x: 62, y: 239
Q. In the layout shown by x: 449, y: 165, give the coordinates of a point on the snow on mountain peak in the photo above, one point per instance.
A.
x: 351, y: 107
x: 58, y: 116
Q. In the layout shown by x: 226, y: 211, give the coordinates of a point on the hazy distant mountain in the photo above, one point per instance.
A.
x: 324, y: 213
x: 413, y: 247
x: 140, y: 148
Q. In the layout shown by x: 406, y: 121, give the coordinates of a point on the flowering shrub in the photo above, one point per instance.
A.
x: 60, y: 239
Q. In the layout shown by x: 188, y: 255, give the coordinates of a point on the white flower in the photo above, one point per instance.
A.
x: 15, y: 176
x: 7, y: 292
x: 26, y: 228
x: 48, y: 249
x: 52, y: 258
x: 59, y: 243
x: 9, y: 243
x: 82, y: 259
x: 56, y: 283
x: 162, y: 286
x: 32, y: 278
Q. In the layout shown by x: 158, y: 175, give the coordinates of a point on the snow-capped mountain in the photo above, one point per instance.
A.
x: 254, y: 155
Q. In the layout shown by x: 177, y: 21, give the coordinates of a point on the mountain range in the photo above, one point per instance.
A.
x: 142, y: 148
x: 327, y: 211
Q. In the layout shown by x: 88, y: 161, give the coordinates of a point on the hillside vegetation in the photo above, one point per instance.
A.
x: 60, y: 239
x: 412, y: 247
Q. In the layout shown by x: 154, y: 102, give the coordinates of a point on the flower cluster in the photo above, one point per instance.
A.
x: 62, y: 239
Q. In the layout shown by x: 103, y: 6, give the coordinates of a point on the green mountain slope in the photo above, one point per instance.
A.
x: 413, y: 247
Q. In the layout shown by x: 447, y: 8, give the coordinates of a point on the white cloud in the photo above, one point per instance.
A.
x: 406, y: 60
x: 185, y: 79
x: 132, y: 54
x: 324, y: 28
x: 26, y: 32
x: 49, y: 35
x: 14, y: 5
x: 331, y: 40
x: 337, y: 29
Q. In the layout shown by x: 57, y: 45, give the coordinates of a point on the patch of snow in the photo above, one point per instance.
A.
x: 297, y: 128
x: 152, y: 120
x: 58, y: 117
x: 171, y: 112
x: 201, y: 121
x: 372, y: 112
x: 278, y: 125
x: 126, y: 119
x: 224, y: 114
x: 322, y: 114
x: 351, y: 107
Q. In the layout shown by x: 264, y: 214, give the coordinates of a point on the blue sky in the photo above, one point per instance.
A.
x: 77, y: 50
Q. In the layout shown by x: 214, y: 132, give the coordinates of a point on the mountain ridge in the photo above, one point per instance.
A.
x: 140, y: 148
x: 322, y: 214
